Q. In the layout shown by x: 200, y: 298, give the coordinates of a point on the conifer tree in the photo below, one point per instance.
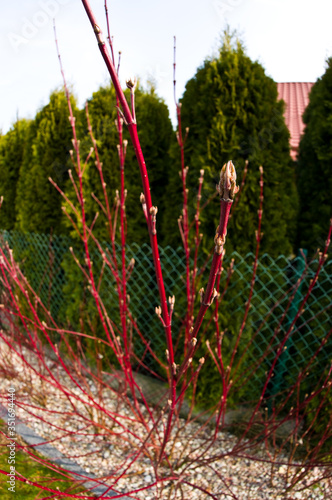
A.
x: 156, y: 134
x: 231, y: 108
x: 314, y: 168
x: 12, y: 150
x: 38, y: 203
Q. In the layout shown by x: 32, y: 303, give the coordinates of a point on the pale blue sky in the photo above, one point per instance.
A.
x: 291, y: 38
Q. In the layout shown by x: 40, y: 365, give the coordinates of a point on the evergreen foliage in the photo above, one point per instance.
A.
x: 32, y: 152
x: 12, y: 149
x: 314, y: 168
x: 38, y: 203
x: 232, y: 110
x: 156, y: 134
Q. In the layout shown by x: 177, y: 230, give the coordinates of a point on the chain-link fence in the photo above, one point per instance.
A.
x: 51, y: 271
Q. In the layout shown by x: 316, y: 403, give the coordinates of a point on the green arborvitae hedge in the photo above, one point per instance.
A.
x: 231, y: 107
x: 155, y: 132
x: 314, y: 168
x: 12, y: 150
x: 47, y: 155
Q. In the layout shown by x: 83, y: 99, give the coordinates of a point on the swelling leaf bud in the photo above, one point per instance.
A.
x: 131, y: 83
x: 227, y: 187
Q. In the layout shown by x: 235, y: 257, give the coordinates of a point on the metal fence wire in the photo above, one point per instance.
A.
x: 52, y: 273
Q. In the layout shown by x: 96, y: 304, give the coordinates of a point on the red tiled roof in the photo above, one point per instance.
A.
x: 296, y: 97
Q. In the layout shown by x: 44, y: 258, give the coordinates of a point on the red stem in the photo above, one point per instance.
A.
x: 132, y: 127
x: 253, y: 279
x: 225, y: 207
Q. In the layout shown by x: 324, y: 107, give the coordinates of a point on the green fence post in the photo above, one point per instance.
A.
x: 281, y: 366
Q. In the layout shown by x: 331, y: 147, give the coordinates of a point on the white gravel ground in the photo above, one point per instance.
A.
x: 108, y: 450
